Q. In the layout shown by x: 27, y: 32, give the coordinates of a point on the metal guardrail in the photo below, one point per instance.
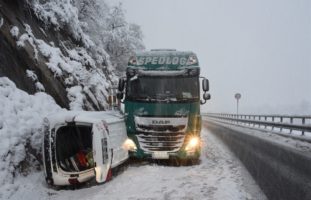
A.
x: 282, y: 171
x: 291, y: 123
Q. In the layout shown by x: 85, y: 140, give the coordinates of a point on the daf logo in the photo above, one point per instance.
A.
x: 161, y: 122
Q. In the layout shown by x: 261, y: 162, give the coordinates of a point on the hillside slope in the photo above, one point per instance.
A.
x: 47, y: 46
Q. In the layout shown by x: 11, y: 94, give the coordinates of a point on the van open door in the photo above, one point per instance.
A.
x: 101, y: 153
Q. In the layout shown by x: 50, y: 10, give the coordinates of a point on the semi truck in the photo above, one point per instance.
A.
x: 161, y: 96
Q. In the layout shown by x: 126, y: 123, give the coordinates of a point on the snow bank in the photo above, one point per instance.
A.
x: 21, y: 117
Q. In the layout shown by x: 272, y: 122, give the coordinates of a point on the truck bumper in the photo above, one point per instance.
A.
x: 181, y: 154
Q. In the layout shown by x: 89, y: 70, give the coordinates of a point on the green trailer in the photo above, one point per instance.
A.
x: 161, y: 96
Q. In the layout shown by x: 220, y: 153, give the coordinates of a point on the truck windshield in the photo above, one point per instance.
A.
x: 151, y: 88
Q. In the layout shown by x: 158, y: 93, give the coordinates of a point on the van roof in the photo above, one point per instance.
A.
x: 92, y: 117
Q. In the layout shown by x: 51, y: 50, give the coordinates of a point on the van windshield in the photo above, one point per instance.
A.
x: 151, y: 88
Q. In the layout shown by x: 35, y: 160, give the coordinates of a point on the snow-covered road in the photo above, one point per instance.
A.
x: 219, y: 176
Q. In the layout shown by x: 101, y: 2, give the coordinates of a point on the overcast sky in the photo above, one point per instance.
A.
x: 260, y: 48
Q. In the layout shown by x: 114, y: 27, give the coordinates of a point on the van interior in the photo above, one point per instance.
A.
x: 74, y: 147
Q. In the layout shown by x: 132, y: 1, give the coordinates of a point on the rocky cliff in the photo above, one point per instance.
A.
x: 43, y: 48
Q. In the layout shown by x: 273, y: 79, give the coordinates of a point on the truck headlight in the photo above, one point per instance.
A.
x: 193, y: 144
x: 129, y: 145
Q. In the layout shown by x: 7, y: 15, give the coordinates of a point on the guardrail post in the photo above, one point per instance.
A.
x: 281, y: 120
x: 291, y: 121
x: 265, y: 121
x: 272, y: 121
x: 303, y: 123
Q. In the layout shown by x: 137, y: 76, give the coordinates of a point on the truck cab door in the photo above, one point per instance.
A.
x: 101, y: 153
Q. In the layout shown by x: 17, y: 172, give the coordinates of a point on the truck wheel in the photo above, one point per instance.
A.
x: 175, y: 162
x: 193, y: 161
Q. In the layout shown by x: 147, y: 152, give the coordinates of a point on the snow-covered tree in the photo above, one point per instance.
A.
x: 108, y: 28
x: 122, y: 38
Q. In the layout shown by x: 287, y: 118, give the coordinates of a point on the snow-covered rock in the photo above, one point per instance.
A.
x: 61, y: 14
x: 67, y: 44
x: 14, y: 31
x: 1, y: 22
x: 21, y: 117
x: 31, y: 74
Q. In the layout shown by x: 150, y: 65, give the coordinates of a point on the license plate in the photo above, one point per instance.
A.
x: 160, y: 155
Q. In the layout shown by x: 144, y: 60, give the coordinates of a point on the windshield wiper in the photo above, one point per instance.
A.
x: 184, y: 99
x: 164, y: 98
x: 144, y: 97
x: 165, y: 95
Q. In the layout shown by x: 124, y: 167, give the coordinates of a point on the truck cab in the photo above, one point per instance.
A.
x: 161, y: 94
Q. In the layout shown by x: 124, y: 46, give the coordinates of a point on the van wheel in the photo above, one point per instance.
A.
x: 50, y: 184
x: 49, y: 181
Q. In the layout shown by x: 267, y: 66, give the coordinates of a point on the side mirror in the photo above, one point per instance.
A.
x: 205, y: 85
x: 121, y: 84
x: 206, y: 96
x: 120, y: 95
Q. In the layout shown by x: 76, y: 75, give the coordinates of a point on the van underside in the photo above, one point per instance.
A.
x: 74, y: 147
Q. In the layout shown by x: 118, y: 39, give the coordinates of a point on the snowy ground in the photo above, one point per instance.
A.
x: 219, y: 176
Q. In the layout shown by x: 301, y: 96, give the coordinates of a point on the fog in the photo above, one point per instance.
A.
x: 260, y: 48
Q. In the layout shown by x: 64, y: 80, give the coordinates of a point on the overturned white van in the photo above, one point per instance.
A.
x: 80, y: 146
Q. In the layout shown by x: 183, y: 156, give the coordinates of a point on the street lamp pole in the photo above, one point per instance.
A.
x: 237, y: 106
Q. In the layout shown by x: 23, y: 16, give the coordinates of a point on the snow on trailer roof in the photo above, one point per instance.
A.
x: 162, y: 73
x: 164, y: 52
x: 85, y: 116
x: 169, y: 59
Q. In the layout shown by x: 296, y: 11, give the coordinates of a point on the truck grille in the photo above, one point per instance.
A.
x: 168, y: 137
x: 161, y: 128
x: 156, y: 141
